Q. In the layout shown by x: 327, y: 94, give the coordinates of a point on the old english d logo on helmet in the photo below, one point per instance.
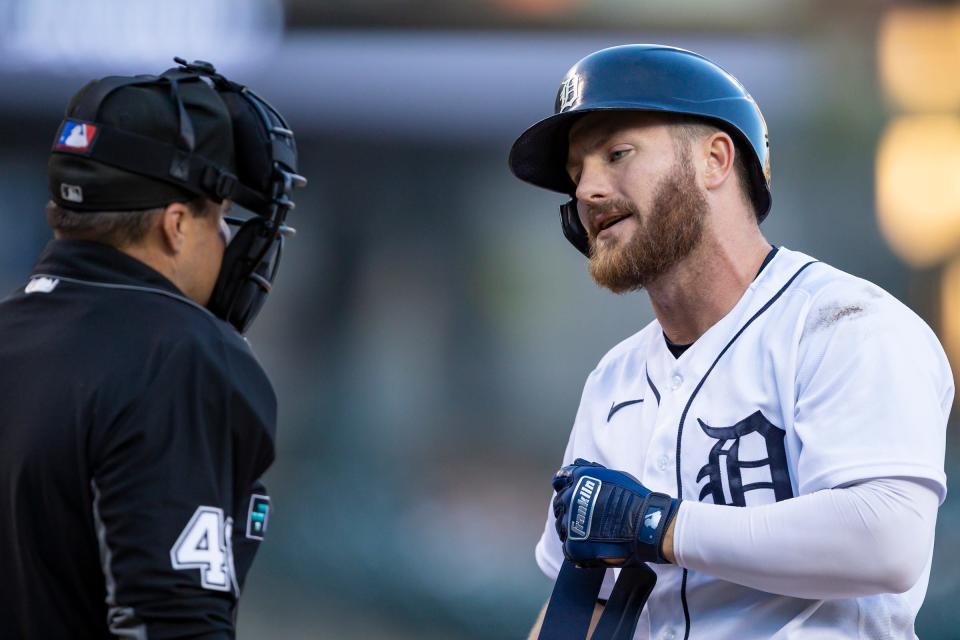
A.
x: 642, y: 77
x: 569, y: 93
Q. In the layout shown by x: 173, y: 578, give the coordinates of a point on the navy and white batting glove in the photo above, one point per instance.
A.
x: 607, y: 518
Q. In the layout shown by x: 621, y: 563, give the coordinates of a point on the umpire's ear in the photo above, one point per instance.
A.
x: 175, y: 222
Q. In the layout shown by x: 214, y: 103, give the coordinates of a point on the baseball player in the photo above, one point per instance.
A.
x: 772, y: 443
x: 136, y: 420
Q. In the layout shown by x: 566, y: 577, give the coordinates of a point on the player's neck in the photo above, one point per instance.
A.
x: 707, y: 284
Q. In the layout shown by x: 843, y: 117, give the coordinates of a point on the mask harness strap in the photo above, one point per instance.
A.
x: 187, y: 138
x: 574, y: 597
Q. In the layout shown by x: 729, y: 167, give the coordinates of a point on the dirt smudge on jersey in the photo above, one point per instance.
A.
x: 829, y: 315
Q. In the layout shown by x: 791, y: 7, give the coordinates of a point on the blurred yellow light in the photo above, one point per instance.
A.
x: 950, y: 312
x: 918, y: 187
x: 919, y: 57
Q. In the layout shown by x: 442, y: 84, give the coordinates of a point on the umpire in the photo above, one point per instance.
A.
x: 136, y: 421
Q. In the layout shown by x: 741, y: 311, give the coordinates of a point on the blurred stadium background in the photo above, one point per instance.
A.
x: 432, y: 329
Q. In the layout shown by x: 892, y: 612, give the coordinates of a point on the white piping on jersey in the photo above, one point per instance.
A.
x: 127, y: 287
x: 117, y: 617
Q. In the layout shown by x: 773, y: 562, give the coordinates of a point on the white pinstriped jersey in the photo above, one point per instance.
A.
x: 814, y: 380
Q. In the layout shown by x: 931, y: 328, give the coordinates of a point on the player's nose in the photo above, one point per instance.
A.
x: 594, y: 183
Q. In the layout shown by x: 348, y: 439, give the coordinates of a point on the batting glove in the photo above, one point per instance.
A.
x: 608, y: 518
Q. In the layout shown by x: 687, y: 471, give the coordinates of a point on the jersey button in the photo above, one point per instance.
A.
x: 676, y: 381
x: 663, y: 462
x: 669, y: 634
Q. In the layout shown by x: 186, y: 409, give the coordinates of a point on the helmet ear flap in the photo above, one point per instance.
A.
x: 572, y: 228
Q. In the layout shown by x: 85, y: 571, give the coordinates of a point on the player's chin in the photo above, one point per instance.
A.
x: 607, y: 248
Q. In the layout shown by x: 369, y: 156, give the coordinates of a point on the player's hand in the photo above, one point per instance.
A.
x: 608, y: 518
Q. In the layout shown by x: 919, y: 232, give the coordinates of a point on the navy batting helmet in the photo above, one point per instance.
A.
x: 642, y: 77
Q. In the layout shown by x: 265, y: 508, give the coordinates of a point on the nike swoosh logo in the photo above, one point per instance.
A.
x: 616, y: 407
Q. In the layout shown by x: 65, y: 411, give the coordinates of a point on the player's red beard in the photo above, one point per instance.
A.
x: 673, y: 228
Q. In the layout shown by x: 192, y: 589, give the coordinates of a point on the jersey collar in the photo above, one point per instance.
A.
x: 97, y: 262
x: 780, y: 267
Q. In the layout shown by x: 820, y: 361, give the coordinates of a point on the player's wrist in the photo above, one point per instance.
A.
x: 666, y: 543
x: 655, y: 521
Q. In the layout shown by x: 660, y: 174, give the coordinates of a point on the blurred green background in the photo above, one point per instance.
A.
x: 431, y: 329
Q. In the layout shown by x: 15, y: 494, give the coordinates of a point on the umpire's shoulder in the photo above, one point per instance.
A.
x: 237, y: 355
x: 201, y: 336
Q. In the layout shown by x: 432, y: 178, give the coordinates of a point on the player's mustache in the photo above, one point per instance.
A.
x: 607, y: 208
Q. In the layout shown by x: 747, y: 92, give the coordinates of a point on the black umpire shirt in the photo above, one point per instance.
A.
x: 134, y: 426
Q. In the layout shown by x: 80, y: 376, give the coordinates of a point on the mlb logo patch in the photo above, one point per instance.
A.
x: 41, y: 284
x: 71, y: 192
x: 77, y: 137
x: 257, y: 516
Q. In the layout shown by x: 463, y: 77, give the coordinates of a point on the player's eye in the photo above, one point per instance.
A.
x: 617, y: 154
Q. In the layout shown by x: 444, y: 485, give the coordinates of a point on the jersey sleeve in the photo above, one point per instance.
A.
x: 873, y: 390
x: 251, y: 529
x: 172, y: 481
x: 861, y: 540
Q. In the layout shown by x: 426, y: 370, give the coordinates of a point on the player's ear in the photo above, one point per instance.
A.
x: 173, y: 223
x: 718, y: 153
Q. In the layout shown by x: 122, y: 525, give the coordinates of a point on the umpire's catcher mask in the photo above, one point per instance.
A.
x: 130, y: 143
x: 642, y: 77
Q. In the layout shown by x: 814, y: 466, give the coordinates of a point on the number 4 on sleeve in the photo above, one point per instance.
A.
x: 205, y: 544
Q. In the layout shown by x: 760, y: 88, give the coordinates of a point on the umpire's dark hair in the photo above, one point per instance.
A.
x: 115, y: 228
